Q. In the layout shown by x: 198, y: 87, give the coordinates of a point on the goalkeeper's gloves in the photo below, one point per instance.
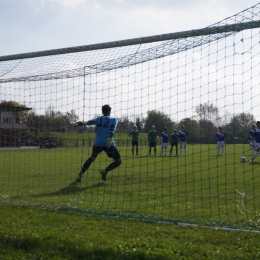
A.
x: 109, y: 140
x: 79, y: 123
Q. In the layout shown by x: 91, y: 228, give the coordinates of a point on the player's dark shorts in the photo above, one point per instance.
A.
x: 135, y: 143
x: 174, y: 143
x: 111, y: 152
x: 152, y: 144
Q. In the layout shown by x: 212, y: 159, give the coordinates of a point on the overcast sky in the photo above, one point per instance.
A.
x: 36, y: 25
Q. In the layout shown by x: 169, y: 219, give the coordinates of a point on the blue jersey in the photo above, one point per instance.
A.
x: 105, y: 126
x: 182, y: 135
x: 220, y: 136
x: 252, y: 133
x: 257, y: 135
x: 165, y: 137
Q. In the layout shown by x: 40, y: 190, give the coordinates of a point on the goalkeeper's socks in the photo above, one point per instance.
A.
x: 86, y: 165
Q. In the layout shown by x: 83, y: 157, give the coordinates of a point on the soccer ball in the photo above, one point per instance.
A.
x: 243, y: 159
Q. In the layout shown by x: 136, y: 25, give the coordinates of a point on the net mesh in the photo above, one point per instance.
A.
x: 200, y: 80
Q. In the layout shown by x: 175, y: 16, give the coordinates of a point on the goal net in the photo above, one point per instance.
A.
x: 194, y: 81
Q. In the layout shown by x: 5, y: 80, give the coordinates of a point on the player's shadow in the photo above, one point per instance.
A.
x: 73, y: 188
x: 255, y: 163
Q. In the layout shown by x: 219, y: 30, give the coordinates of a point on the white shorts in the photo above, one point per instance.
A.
x: 165, y: 145
x: 257, y: 145
x: 252, y: 143
x: 183, y: 144
x: 220, y: 144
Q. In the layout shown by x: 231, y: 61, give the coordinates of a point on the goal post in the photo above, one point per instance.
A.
x: 202, y: 83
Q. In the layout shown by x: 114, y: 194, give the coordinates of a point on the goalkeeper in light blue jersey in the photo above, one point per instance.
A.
x: 104, y: 141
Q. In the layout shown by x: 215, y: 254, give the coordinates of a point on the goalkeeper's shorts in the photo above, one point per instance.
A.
x: 111, y: 151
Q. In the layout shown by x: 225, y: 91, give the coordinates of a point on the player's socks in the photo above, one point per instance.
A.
x: 133, y: 151
x: 181, y: 151
x: 136, y: 151
x: 112, y: 166
x: 86, y: 165
x: 185, y: 151
x: 254, y: 156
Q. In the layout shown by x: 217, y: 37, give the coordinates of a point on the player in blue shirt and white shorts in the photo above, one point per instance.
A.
x: 257, y: 142
x: 165, y: 141
x: 220, y: 135
x: 183, y: 134
x: 104, y: 141
x: 252, y: 134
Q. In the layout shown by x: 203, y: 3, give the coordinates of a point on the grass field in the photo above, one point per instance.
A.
x: 29, y: 232
x: 200, y: 188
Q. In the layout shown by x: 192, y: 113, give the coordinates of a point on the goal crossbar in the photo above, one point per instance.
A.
x: 232, y: 28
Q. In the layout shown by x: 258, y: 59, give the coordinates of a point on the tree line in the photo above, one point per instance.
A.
x: 201, y: 127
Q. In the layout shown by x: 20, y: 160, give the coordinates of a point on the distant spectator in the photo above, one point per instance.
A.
x: 18, y: 141
x: 63, y: 129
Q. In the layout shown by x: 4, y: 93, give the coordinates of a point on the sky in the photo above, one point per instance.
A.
x: 37, y: 25
x: 31, y: 26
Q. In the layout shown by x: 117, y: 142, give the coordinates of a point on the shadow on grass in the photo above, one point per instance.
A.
x: 73, y: 188
x: 48, y: 248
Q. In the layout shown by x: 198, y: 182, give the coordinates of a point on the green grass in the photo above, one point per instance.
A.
x: 45, y: 213
x: 29, y: 232
x: 200, y: 188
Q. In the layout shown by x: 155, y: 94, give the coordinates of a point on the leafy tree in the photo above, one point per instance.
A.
x: 206, y: 112
x: 72, y: 116
x: 159, y: 119
x: 52, y: 120
x: 123, y: 124
x: 240, y: 125
x: 21, y: 116
x: 209, y: 118
x: 207, y: 131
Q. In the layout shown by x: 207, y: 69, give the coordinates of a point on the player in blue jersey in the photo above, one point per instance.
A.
x: 252, y: 134
x: 183, y: 143
x: 220, y: 135
x: 165, y: 141
x: 104, y: 141
x: 257, y: 142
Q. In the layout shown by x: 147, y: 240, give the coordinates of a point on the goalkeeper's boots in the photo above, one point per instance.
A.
x: 103, y: 175
x: 79, y: 178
